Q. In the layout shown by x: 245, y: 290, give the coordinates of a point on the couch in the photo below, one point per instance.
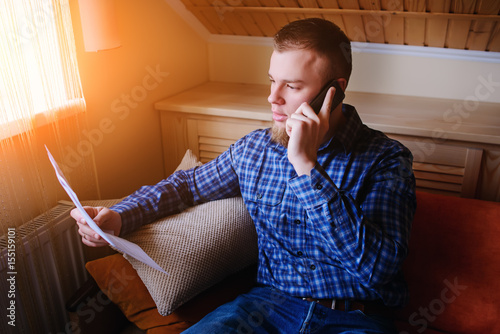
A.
x: 452, y: 270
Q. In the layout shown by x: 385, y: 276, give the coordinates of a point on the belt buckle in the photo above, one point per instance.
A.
x: 334, y: 302
x: 332, y: 306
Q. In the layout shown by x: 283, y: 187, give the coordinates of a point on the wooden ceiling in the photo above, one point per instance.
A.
x: 457, y: 24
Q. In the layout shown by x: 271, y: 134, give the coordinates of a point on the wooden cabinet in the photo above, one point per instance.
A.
x: 455, y: 153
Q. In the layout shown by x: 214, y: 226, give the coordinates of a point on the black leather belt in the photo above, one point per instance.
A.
x: 365, y: 306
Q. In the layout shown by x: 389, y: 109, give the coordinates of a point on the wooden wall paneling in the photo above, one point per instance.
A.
x: 489, y: 184
x: 216, y: 145
x: 249, y: 23
x: 374, y: 24
x: 224, y: 16
x: 354, y: 26
x: 494, y: 42
x: 337, y: 19
x: 488, y: 7
x: 415, y: 27
x: 479, y: 35
x: 174, y: 140
x: 441, y: 167
x: 192, y: 136
x: 458, y: 24
x: 309, y: 4
x: 214, y: 15
x: 481, y: 30
x: 279, y: 19
x: 219, y: 113
x: 291, y: 4
x: 200, y: 16
x: 212, y: 137
x: 226, y: 129
x: 435, y: 29
x: 472, y: 170
x: 262, y: 20
x: 428, y: 152
x: 421, y: 173
x: 449, y: 189
x: 232, y: 19
x: 458, y: 29
x: 245, y: 19
x: 394, y: 27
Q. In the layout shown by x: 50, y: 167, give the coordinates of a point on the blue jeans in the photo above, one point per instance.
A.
x: 266, y: 310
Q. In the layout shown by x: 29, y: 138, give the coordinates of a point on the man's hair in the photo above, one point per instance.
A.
x: 321, y: 36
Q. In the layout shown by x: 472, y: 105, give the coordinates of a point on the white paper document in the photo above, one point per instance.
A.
x: 121, y: 244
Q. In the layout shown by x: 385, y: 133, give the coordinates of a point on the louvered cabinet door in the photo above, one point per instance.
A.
x: 206, y: 135
x: 209, y: 138
x: 445, y: 169
x: 460, y: 159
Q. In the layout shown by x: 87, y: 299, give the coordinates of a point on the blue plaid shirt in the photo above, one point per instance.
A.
x: 341, y: 232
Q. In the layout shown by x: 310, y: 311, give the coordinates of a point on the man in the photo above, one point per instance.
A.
x: 331, y: 199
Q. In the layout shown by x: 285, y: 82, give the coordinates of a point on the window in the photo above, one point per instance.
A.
x: 39, y: 75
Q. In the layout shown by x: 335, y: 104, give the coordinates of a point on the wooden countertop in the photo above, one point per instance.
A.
x: 462, y: 120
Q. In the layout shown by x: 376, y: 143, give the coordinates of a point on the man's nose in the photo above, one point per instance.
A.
x: 275, y: 96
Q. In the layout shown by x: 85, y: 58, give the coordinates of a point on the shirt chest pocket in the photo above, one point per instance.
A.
x: 267, y: 205
x: 268, y: 193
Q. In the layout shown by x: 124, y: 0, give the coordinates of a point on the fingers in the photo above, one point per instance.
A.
x: 327, y: 103
x: 89, y: 236
x: 85, y: 229
x: 91, y: 240
x: 304, y: 114
x: 80, y: 220
x: 75, y: 213
x: 307, y: 111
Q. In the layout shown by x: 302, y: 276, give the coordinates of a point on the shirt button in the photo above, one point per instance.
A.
x: 319, y: 186
x: 259, y: 196
x: 297, y: 221
x: 313, y: 267
x: 299, y: 253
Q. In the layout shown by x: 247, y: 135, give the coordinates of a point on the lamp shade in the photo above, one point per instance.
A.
x: 99, y: 24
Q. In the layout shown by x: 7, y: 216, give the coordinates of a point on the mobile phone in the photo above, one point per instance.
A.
x: 317, y: 102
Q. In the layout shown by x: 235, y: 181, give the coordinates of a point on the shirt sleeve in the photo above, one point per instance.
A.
x: 211, y: 181
x: 369, y: 235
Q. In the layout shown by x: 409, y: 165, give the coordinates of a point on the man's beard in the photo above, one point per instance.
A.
x: 279, y: 135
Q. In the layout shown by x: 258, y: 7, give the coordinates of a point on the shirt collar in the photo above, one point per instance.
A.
x: 277, y: 147
x: 346, y: 136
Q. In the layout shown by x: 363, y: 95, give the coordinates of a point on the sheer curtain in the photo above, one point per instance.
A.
x: 41, y: 103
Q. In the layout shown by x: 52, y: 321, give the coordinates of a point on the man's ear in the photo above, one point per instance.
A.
x: 343, y: 83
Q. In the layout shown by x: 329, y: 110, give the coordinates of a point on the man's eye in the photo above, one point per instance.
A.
x: 291, y: 87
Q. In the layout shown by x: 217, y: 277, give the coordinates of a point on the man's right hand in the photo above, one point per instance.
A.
x: 108, y: 220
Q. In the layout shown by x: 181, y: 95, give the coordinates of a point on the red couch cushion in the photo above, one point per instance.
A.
x: 453, y: 269
x: 122, y: 285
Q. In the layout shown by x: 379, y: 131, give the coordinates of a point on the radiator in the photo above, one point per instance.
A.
x: 49, y: 268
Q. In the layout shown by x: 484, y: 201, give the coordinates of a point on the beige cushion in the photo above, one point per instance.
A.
x: 198, y: 248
